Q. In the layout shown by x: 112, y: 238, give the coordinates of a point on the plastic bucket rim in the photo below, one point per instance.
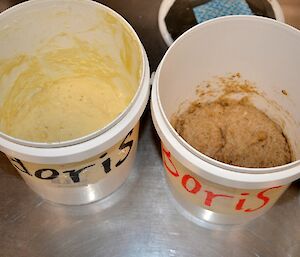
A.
x: 200, y: 155
x: 86, y: 149
x: 166, y: 4
x: 211, y: 172
x: 232, y: 174
x: 28, y: 4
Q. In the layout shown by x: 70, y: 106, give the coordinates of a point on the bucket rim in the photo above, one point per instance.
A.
x: 196, y: 161
x: 14, y: 10
x: 167, y: 4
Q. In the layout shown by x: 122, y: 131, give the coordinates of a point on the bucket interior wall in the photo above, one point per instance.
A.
x: 54, y: 42
x: 50, y: 24
x: 264, y: 53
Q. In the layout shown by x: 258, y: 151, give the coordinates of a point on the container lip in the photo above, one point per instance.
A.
x: 279, y: 15
x: 214, y: 167
x: 209, y: 171
x: 96, y: 133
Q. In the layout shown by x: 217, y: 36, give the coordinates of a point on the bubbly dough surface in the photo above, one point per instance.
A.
x: 234, y: 133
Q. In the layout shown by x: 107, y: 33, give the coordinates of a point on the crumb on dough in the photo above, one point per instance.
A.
x: 234, y: 132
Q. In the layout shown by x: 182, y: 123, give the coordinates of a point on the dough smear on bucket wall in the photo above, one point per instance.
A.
x: 69, y: 87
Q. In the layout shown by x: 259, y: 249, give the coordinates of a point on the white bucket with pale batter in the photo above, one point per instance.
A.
x: 85, y: 167
x: 263, y: 51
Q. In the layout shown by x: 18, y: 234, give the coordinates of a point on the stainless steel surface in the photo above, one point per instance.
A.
x: 140, y: 219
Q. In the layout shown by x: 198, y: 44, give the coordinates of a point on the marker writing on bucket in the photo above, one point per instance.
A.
x: 208, y: 198
x: 19, y: 165
x: 49, y: 173
x: 107, y: 163
x: 74, y: 174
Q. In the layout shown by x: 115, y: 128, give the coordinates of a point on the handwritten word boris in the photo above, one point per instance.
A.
x: 194, y: 186
x: 106, y: 164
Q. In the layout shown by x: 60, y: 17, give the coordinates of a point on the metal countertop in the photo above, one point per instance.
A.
x: 140, y: 219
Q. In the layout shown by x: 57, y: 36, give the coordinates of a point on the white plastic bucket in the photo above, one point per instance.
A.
x: 263, y: 51
x: 167, y: 4
x: 89, y: 168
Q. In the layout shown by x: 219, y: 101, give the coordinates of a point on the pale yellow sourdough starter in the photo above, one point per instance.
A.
x: 234, y: 133
x: 63, y: 94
